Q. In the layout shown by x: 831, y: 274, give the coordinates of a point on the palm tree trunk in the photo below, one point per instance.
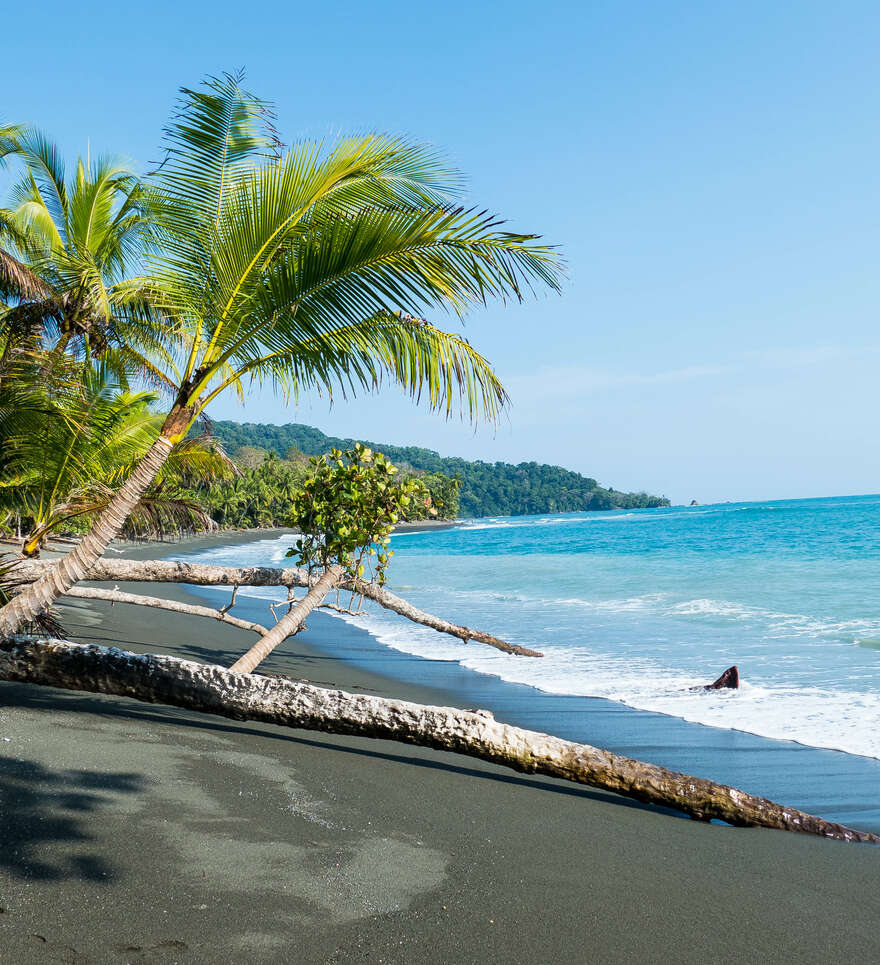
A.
x: 291, y: 622
x: 69, y: 570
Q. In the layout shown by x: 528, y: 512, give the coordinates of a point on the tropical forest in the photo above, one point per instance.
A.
x: 459, y: 487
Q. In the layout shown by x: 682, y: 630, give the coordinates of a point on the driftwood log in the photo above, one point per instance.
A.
x: 203, y: 574
x: 215, y: 690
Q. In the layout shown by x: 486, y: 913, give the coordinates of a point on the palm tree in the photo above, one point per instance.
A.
x: 67, y: 312
x: 17, y: 281
x: 308, y: 268
x: 66, y: 245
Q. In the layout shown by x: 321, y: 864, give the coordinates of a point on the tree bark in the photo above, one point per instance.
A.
x: 290, y: 623
x: 118, y: 596
x: 202, y: 574
x: 215, y: 690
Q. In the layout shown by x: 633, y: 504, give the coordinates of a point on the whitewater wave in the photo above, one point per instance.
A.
x: 824, y: 717
x: 818, y: 717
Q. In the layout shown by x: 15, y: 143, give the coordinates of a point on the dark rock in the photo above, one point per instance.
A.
x: 729, y: 680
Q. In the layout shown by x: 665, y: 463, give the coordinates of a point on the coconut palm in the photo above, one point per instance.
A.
x: 67, y: 245
x: 17, y: 281
x: 309, y: 268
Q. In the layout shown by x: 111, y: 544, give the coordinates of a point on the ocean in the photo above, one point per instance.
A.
x: 638, y: 607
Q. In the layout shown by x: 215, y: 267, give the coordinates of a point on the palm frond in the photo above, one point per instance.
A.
x: 10, y: 135
x: 426, y: 362
x: 339, y: 278
x: 46, y: 172
x: 385, y: 171
x: 20, y: 281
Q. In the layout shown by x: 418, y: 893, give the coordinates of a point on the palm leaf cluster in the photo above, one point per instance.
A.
x: 69, y: 243
x: 65, y: 456
x: 72, y: 339
x: 314, y: 267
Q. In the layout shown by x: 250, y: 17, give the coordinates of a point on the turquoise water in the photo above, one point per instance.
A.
x: 637, y: 607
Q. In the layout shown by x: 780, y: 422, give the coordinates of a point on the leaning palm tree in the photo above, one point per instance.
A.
x: 309, y: 268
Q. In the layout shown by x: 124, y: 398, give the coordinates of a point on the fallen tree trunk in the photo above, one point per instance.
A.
x: 202, y: 574
x: 215, y: 690
x: 290, y: 623
x: 159, y: 603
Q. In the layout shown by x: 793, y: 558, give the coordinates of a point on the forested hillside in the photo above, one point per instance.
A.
x: 487, y: 489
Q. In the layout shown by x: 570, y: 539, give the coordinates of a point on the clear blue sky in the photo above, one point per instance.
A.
x: 710, y: 171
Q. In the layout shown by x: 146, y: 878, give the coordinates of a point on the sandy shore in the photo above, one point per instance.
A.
x: 132, y: 833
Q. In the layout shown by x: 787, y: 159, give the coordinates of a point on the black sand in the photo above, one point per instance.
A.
x: 131, y: 834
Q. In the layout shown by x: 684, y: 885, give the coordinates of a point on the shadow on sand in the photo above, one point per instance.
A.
x: 60, y: 701
x: 40, y: 807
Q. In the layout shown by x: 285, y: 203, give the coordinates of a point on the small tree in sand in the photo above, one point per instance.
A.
x: 345, y: 513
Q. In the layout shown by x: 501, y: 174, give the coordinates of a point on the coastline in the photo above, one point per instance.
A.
x: 138, y: 833
x: 839, y: 786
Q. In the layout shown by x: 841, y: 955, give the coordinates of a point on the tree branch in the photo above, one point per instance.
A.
x: 119, y: 596
x: 289, y: 624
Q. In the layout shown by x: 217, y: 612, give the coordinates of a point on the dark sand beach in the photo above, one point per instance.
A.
x: 132, y: 833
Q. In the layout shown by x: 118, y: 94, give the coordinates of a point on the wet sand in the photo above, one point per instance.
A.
x: 132, y: 833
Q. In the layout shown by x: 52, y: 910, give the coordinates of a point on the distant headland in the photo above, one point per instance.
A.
x: 487, y: 488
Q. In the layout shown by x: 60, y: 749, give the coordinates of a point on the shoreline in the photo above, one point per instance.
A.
x: 138, y: 833
x: 831, y: 783
x: 229, y: 537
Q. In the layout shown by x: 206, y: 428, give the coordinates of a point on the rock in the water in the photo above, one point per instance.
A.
x: 729, y: 680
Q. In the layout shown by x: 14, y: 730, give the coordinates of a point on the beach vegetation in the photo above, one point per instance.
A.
x: 310, y: 269
x: 74, y: 455
x: 69, y: 240
x: 261, y: 493
x: 346, y: 509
